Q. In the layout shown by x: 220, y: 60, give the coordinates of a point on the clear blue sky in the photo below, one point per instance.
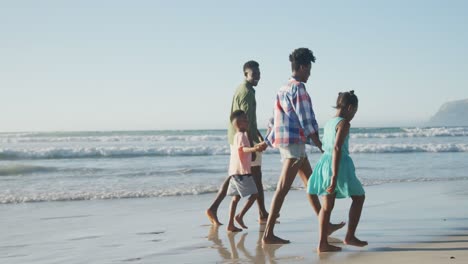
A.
x: 131, y: 65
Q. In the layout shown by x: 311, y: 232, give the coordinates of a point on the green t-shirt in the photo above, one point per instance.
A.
x: 244, y: 99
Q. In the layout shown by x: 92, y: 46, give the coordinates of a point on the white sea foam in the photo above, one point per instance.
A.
x: 110, y: 152
x: 129, y: 152
x: 406, y: 148
x: 8, y: 197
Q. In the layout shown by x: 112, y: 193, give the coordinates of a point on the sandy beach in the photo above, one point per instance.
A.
x: 404, y: 223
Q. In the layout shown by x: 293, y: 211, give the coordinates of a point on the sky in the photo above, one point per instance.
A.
x: 157, y: 65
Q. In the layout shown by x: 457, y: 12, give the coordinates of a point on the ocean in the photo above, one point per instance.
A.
x: 73, y: 166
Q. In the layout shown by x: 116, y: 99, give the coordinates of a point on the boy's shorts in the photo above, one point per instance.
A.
x: 293, y: 151
x: 242, y: 185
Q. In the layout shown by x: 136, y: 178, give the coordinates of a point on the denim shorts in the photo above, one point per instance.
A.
x: 293, y: 151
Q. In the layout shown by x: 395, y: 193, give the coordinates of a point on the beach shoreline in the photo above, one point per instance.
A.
x: 424, y: 223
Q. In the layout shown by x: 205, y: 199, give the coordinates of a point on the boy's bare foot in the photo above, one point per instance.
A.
x: 233, y: 228
x: 240, y: 221
x: 333, y: 227
x: 274, y: 240
x: 354, y: 241
x: 327, y: 248
x: 213, y: 217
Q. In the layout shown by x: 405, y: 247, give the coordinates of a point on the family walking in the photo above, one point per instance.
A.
x: 292, y: 127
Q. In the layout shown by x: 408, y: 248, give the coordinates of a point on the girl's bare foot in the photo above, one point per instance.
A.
x: 233, y: 228
x: 240, y: 221
x: 213, y: 217
x: 354, y: 241
x: 275, y: 240
x: 333, y: 227
x: 327, y: 248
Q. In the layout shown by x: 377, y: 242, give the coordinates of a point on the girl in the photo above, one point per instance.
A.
x: 334, y: 175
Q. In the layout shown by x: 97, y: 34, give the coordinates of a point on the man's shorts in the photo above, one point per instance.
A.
x: 293, y: 151
x: 242, y: 185
x: 258, y: 160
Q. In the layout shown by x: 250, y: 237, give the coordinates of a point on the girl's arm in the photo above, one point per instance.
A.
x: 342, y: 130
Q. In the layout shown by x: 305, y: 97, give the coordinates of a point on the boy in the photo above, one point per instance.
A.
x: 241, y: 182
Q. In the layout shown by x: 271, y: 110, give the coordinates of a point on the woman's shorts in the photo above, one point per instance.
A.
x: 293, y: 151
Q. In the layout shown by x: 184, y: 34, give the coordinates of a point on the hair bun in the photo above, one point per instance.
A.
x: 351, y: 92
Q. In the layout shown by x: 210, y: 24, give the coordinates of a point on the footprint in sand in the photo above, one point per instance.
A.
x: 334, y: 240
x: 152, y: 233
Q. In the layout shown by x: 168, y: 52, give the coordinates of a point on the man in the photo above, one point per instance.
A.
x: 244, y: 99
x: 294, y: 125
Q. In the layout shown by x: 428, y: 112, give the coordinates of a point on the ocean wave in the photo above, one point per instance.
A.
x: 11, y: 139
x: 110, y: 152
x: 8, y: 197
x: 130, y: 152
x: 414, y: 132
x: 210, y: 135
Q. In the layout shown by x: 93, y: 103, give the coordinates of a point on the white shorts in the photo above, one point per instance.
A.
x: 258, y: 160
x: 293, y: 151
x: 242, y: 185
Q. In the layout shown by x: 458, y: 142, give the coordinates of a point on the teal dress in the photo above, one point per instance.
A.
x: 347, y: 183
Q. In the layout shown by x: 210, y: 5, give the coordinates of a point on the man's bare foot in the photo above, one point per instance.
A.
x: 354, y: 241
x: 274, y: 240
x: 233, y: 228
x: 327, y: 248
x: 333, y: 227
x: 240, y: 221
x: 212, y: 217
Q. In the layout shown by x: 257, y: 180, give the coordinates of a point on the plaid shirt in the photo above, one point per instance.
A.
x: 293, y: 117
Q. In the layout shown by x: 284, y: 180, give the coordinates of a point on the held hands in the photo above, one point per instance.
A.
x: 316, y: 140
x: 260, y: 147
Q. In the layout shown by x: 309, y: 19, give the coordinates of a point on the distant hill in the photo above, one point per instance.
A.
x: 453, y: 113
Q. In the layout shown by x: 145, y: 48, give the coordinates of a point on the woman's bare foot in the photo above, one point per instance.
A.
x: 240, y: 221
x: 274, y: 240
x: 333, y: 227
x: 354, y: 241
x: 213, y: 217
x: 327, y: 248
x: 233, y: 228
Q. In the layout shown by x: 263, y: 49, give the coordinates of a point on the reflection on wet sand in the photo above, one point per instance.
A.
x: 262, y: 254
